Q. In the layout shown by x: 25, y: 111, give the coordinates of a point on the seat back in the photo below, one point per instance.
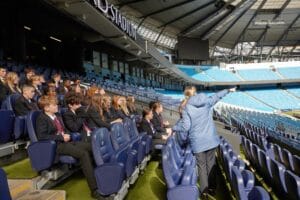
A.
x: 277, y: 152
x: 101, y: 146
x: 287, y: 158
x: 171, y: 174
x: 129, y: 129
x: 4, y: 190
x: 7, y: 128
x: 31, y: 125
x: 258, y: 193
x: 238, y: 183
x: 264, y: 162
x: 296, y: 163
x: 119, y: 137
x: 292, y: 185
x: 11, y: 100
x: 277, y: 170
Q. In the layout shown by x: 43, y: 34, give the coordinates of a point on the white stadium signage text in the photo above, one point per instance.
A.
x: 111, y: 12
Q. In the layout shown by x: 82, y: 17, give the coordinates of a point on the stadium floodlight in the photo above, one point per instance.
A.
x: 27, y: 28
x: 55, y: 39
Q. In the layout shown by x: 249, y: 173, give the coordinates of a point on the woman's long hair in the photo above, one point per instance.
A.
x: 130, y: 104
x: 96, y: 102
x: 11, y: 77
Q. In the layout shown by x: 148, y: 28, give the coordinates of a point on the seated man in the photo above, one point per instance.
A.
x: 147, y: 126
x: 49, y: 126
x: 3, y: 86
x: 25, y: 103
x: 75, y: 117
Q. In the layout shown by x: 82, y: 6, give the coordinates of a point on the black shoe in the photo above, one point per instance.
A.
x: 96, y: 195
x: 211, y: 192
x: 203, y: 196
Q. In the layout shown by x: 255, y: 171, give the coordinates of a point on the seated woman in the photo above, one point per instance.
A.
x: 123, y: 107
x: 131, y: 105
x: 147, y: 126
x: 115, y: 109
x: 94, y: 112
x: 106, y: 107
x: 12, y: 82
x: 159, y: 124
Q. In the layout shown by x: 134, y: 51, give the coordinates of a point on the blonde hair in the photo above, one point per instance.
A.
x: 47, y: 100
x: 189, y: 91
x: 10, y: 81
x: 123, y: 105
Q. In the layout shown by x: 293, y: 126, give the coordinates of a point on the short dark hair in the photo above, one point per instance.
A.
x: 151, y: 104
x: 73, y: 98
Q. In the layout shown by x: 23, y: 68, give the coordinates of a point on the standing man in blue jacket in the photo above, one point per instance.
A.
x: 197, y: 120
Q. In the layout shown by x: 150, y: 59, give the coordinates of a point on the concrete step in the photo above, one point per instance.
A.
x: 24, y: 190
x: 19, y: 187
x: 44, y: 195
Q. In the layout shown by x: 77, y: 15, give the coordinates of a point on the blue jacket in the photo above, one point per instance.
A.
x: 197, y: 119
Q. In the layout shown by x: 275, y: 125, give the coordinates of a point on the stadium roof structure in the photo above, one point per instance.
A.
x: 248, y: 28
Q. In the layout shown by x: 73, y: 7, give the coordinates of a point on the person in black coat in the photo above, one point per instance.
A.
x: 25, y: 103
x: 95, y: 116
x: 49, y: 126
x: 147, y: 126
x: 3, y: 87
x: 157, y: 121
x: 75, y: 117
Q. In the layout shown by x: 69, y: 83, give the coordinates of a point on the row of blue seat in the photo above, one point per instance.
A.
x: 119, y: 154
x: 180, y: 172
x: 284, y: 182
x: 282, y: 155
x: 242, y: 181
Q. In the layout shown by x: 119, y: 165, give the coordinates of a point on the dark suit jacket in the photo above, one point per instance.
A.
x: 23, y: 106
x: 116, y: 114
x: 94, y: 120
x: 46, y: 129
x: 157, y: 122
x: 145, y: 126
x: 3, y: 91
x: 74, y: 121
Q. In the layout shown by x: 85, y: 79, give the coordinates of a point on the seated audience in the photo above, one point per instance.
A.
x: 95, y: 116
x: 131, y: 105
x: 49, y: 126
x: 147, y: 126
x: 12, y: 82
x: 29, y: 72
x: 115, y: 109
x: 157, y: 121
x: 25, y: 103
x: 65, y: 87
x: 75, y: 117
x: 36, y: 83
x: 123, y: 107
x: 106, y: 108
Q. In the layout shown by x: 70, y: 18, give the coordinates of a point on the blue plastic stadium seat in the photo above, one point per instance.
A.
x: 4, y: 190
x: 136, y: 142
x: 292, y: 185
x: 6, y: 132
x: 296, y: 164
x: 42, y: 153
x: 182, y: 184
x: 278, y: 180
x: 287, y: 159
x: 110, y: 171
x: 121, y: 141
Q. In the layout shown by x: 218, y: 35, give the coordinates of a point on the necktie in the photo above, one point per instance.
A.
x: 58, y: 125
